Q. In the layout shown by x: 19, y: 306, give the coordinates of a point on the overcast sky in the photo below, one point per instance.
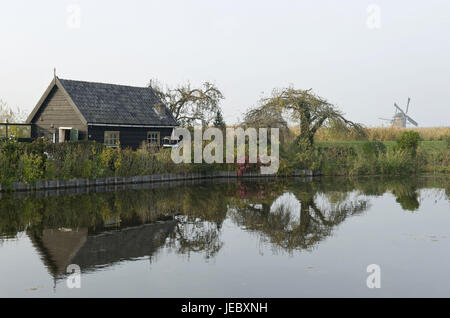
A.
x: 360, y: 57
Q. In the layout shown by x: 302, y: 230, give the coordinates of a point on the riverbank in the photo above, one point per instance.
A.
x: 157, y: 178
x: 41, y: 165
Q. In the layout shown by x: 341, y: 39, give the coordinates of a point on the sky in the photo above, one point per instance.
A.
x: 360, y: 55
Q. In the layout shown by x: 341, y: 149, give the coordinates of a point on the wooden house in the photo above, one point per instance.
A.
x: 107, y: 113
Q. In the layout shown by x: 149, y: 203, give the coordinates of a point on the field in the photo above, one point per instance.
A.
x: 378, y: 134
x: 343, y: 152
x: 427, y: 145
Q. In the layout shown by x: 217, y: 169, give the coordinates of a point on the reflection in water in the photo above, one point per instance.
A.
x: 408, y: 197
x: 295, y: 226
x: 195, y: 235
x: 61, y: 247
x: 95, y: 230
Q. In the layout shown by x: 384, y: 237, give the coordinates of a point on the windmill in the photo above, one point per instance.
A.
x: 400, y: 117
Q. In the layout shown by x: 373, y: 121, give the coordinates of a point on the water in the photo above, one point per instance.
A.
x: 284, y: 238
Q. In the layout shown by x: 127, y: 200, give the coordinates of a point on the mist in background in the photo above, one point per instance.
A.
x: 361, y: 55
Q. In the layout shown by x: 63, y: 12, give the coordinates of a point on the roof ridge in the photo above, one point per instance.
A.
x: 102, y: 83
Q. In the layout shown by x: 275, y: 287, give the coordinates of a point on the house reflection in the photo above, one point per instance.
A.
x: 98, y: 230
x: 61, y: 247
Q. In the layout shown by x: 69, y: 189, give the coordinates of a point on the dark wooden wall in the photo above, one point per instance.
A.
x: 56, y: 110
x: 129, y: 136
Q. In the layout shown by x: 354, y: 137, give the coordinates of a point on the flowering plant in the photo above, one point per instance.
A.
x: 245, y: 166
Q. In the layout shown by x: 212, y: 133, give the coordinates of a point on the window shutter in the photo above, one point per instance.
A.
x: 74, y: 134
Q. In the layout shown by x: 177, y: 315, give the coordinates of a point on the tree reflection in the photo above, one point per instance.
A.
x: 295, y: 228
x: 193, y: 235
x: 100, y: 229
x: 407, y: 196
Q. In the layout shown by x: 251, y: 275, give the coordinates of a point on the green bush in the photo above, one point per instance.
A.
x: 337, y: 159
x: 31, y: 167
x: 373, y: 148
x: 408, y: 141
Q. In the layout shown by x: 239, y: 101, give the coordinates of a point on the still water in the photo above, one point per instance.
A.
x: 228, y: 238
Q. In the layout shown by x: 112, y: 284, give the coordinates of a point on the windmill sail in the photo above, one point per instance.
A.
x: 412, y: 121
x: 401, y: 110
x: 400, y: 117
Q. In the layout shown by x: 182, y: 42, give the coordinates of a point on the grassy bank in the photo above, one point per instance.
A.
x: 369, y: 158
x: 30, y: 162
x: 343, y: 152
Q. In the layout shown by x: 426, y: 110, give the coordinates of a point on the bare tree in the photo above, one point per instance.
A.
x: 310, y: 110
x: 190, y: 105
x: 10, y: 115
x: 266, y: 117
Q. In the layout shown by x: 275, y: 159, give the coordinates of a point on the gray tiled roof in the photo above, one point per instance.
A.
x: 117, y: 104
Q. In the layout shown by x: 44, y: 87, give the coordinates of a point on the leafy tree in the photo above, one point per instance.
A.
x: 190, y: 105
x: 307, y: 108
x: 219, y: 121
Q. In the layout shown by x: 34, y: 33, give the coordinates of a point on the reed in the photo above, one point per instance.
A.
x: 380, y: 134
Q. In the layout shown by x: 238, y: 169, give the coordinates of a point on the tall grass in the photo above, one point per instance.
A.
x: 378, y: 134
x: 366, y: 158
x: 30, y: 162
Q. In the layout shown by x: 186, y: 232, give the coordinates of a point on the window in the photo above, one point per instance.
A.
x: 160, y: 109
x: 153, y: 138
x: 112, y: 138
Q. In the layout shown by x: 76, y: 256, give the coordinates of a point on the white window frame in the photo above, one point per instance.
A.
x: 155, y: 140
x: 62, y: 133
x: 111, y: 141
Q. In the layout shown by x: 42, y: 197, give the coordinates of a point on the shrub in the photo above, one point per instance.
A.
x: 246, y: 166
x: 373, y: 148
x: 397, y: 162
x: 306, y: 157
x: 31, y: 167
x: 409, y: 141
x: 337, y: 159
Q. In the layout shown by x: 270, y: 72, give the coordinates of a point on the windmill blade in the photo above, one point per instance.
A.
x: 399, y: 109
x: 407, y: 105
x: 385, y: 119
x: 412, y: 121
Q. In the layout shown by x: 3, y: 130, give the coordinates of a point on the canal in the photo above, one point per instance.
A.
x: 292, y: 237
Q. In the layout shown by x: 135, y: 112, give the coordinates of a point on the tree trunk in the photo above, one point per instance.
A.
x: 306, y: 137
